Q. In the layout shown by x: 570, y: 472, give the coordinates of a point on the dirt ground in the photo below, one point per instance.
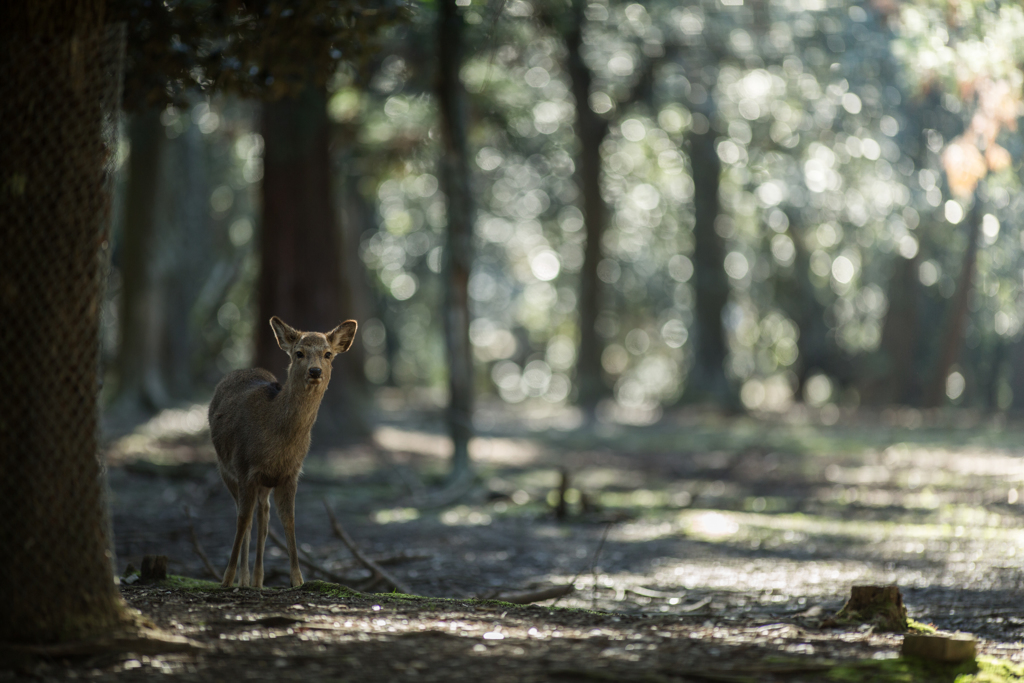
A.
x: 701, y: 549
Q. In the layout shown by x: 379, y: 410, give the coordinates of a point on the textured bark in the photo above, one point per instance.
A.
x: 952, y: 339
x: 58, y: 79
x: 591, y: 131
x: 300, y: 259
x: 707, y: 380
x: 458, y: 256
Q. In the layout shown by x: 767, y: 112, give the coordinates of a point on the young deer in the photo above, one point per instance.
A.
x: 261, y: 433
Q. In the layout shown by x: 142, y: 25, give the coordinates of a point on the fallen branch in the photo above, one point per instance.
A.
x: 527, y: 597
x: 648, y: 593
x: 377, y: 570
x: 210, y: 569
x: 305, y: 559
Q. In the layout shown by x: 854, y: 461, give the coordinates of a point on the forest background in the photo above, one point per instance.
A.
x: 751, y: 205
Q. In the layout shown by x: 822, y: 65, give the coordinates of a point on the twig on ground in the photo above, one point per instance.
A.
x: 527, y: 597
x: 648, y: 593
x: 358, y: 554
x: 593, y: 561
x: 305, y: 559
x: 210, y: 569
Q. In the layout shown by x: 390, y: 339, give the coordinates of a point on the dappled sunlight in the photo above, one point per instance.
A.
x: 509, y: 452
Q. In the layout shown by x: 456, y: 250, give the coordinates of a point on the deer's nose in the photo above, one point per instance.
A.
x: 315, y: 373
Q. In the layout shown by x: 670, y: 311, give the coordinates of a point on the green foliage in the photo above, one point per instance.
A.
x: 265, y: 49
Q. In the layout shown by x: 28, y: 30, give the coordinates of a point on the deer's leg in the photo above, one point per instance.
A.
x: 246, y: 501
x: 262, y: 525
x: 284, y: 496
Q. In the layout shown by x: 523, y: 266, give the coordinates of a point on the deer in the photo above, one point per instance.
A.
x: 261, y: 432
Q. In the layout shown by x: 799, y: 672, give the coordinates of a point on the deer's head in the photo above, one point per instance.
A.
x: 311, y: 353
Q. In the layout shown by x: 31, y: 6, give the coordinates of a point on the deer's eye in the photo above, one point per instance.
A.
x: 327, y: 355
x: 299, y: 354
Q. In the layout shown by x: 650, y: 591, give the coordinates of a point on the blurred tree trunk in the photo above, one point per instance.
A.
x: 190, y: 256
x: 458, y: 257
x: 707, y: 381
x: 893, y: 381
x: 816, y: 346
x: 59, y: 90
x: 300, y: 253
x: 952, y: 338
x: 591, y: 130
x: 140, y: 383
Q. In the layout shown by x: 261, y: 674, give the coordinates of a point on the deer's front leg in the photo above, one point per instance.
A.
x: 284, y: 496
x: 262, y: 525
x: 246, y: 502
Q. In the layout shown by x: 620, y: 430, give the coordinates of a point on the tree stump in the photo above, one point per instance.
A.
x: 880, y: 606
x: 154, y: 568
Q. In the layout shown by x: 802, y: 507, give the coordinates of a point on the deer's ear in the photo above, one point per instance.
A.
x: 341, y: 337
x: 286, y: 334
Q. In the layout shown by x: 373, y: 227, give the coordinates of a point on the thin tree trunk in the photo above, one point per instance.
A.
x: 458, y: 256
x: 300, y: 264
x: 707, y: 380
x: 952, y: 339
x: 894, y: 380
x: 591, y: 130
x: 59, y: 90
x: 137, y: 360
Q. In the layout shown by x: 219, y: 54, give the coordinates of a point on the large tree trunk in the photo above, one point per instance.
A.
x: 59, y: 89
x: 956, y: 317
x: 300, y: 266
x: 138, y: 361
x: 707, y: 381
x: 591, y: 130
x: 458, y: 256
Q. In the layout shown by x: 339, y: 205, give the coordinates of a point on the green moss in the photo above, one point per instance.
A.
x: 917, y: 627
x: 908, y: 670
x: 189, y: 584
x: 334, y: 590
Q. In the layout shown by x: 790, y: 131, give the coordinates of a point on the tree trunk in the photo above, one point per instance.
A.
x: 956, y: 319
x: 591, y: 131
x: 707, y: 381
x: 138, y: 367
x: 60, y: 78
x: 458, y: 256
x: 815, y: 345
x: 894, y: 380
x: 191, y: 238
x: 300, y: 266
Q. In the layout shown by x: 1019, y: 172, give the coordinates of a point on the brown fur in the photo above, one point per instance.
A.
x: 260, y: 430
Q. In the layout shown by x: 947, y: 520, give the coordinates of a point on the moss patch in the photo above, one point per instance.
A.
x: 189, y: 584
x: 909, y: 670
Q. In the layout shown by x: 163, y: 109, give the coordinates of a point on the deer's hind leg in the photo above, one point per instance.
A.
x: 262, y: 526
x: 284, y: 496
x: 245, y: 501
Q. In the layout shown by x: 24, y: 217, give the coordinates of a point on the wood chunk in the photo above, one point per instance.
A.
x: 953, y: 647
x: 154, y: 567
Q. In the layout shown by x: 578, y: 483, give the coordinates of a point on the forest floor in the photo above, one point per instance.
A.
x: 701, y: 548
